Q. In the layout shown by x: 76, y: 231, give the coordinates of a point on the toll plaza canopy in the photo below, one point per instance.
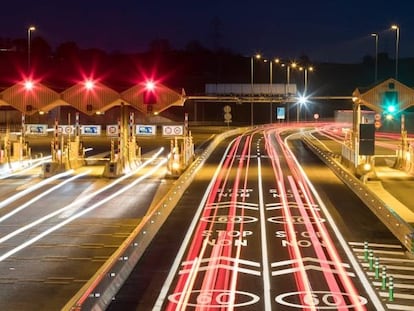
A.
x: 88, y: 97
x: 387, y: 96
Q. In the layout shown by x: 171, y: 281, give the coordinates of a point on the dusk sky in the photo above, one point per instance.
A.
x: 335, y: 30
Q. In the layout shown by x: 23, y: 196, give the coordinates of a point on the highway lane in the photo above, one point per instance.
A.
x: 261, y: 233
x: 52, y: 243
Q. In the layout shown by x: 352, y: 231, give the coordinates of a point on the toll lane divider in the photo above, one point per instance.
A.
x: 99, y: 291
x: 401, y: 229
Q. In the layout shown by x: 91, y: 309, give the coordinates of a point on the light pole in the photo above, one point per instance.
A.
x: 276, y: 60
x: 29, y: 32
x: 305, y: 89
x: 375, y: 35
x: 257, y: 56
x: 397, y: 43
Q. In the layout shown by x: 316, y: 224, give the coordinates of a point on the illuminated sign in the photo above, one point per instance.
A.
x: 90, y: 130
x: 172, y: 130
x: 36, y: 129
x: 66, y: 129
x: 145, y: 129
x: 112, y: 130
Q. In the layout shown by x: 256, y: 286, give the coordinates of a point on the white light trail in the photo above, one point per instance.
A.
x: 38, y: 197
x: 81, y: 213
x: 33, y: 188
x: 88, y: 197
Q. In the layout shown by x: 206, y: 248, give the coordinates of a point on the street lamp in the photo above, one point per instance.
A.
x: 257, y: 56
x: 277, y: 61
x: 29, y: 32
x: 397, y: 42
x: 375, y: 35
x: 305, y: 89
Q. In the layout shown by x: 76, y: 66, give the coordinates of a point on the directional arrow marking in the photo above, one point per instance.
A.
x: 244, y: 205
x: 308, y: 267
x: 224, y: 266
x: 305, y: 259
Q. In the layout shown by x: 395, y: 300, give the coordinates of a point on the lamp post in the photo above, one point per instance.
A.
x: 397, y: 43
x: 375, y: 35
x: 29, y: 32
x: 257, y: 56
x: 305, y: 89
x: 276, y: 60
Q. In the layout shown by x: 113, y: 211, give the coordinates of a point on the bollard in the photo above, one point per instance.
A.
x: 390, y: 289
x: 371, y: 260
x: 376, y: 268
x: 366, y: 251
x: 384, y: 278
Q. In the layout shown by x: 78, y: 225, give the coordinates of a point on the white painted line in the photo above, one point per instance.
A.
x: 399, y: 296
x: 391, y: 259
x: 376, y: 245
x: 399, y: 307
x: 405, y: 268
x: 291, y: 261
x: 396, y: 285
x: 379, y: 251
x: 309, y: 267
x: 224, y: 267
x: 231, y: 259
x: 263, y: 239
x: 395, y: 276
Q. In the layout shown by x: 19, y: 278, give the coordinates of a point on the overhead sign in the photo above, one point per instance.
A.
x: 36, y: 129
x: 280, y: 113
x: 90, y: 130
x: 66, y: 129
x: 172, y: 130
x: 145, y: 130
x: 112, y: 130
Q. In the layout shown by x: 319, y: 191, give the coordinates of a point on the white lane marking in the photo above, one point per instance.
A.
x: 394, y: 275
x: 376, y: 245
x: 399, y: 307
x: 380, y: 251
x: 263, y: 238
x: 231, y: 259
x: 391, y: 259
x: 224, y: 267
x: 304, y: 259
x: 396, y: 285
x: 309, y: 267
x: 399, y: 296
x: 405, y: 268
x: 244, y: 205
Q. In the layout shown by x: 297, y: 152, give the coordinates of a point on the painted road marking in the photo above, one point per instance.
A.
x: 244, y: 205
x: 304, y: 259
x: 308, y: 267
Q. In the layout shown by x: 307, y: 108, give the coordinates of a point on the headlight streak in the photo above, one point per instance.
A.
x: 347, y: 282
x: 37, y: 162
x: 33, y: 188
x: 302, y: 281
x: 211, y: 195
x: 38, y: 197
x: 68, y: 220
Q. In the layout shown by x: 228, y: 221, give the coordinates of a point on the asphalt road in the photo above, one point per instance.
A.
x: 354, y: 221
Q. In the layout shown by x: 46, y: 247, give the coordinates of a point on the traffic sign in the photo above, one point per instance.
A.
x: 145, y: 130
x: 36, y: 129
x: 112, y: 130
x: 172, y: 130
x: 91, y: 130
